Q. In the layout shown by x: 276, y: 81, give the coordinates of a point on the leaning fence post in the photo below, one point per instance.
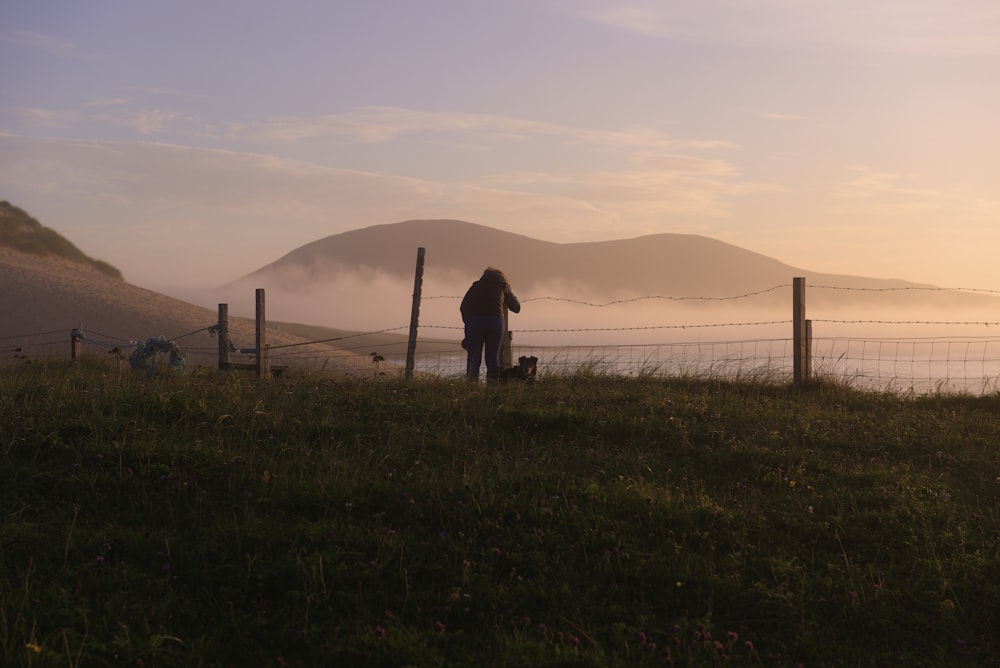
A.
x: 75, y: 337
x: 263, y: 359
x: 418, y: 281
x: 800, y: 335
x: 223, y: 332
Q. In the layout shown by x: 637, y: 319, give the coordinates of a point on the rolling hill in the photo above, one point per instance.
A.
x: 48, y: 287
x: 671, y: 265
x: 21, y: 232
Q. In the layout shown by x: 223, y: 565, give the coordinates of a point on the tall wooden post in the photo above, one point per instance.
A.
x: 506, y: 342
x: 75, y: 337
x: 223, y: 333
x: 808, y: 366
x: 263, y: 359
x: 800, y: 338
x: 418, y: 282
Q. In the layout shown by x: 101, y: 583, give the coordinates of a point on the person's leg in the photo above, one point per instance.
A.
x: 493, y: 334
x: 474, y: 339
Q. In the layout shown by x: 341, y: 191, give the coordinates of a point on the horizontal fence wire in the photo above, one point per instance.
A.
x: 955, y: 363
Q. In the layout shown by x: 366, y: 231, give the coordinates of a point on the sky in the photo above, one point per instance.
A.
x: 191, y: 142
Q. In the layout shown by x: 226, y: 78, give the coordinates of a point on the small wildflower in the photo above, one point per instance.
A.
x: 34, y: 647
x: 439, y: 626
x: 748, y: 645
x: 679, y: 584
x: 642, y: 638
x: 733, y: 636
x: 99, y: 559
x: 573, y: 640
x: 379, y: 632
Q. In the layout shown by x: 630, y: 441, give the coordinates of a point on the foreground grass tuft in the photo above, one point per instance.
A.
x: 212, y: 520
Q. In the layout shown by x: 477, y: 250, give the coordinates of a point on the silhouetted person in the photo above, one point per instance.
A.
x: 482, y: 313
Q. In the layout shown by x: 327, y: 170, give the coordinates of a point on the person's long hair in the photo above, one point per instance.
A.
x: 494, y: 270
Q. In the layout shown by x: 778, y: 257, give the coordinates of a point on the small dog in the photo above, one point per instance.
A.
x: 526, y: 370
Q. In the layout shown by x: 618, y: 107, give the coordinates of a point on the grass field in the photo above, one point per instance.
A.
x: 586, y: 520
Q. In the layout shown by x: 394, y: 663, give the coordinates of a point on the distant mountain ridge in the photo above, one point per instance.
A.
x: 682, y: 265
x: 20, y: 232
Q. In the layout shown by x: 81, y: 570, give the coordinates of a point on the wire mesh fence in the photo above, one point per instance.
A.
x: 950, y: 361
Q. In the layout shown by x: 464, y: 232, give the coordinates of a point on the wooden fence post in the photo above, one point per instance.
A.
x: 808, y: 366
x: 506, y: 342
x: 263, y: 359
x: 223, y: 333
x: 75, y: 337
x: 418, y: 282
x: 800, y: 334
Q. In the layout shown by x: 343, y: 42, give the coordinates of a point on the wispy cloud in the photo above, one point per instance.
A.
x: 775, y: 116
x: 871, y: 192
x: 383, y: 124
x: 45, y: 119
x: 912, y: 26
x: 47, y: 43
x: 869, y: 183
x: 144, y: 121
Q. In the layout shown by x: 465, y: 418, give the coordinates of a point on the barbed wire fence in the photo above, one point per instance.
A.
x: 916, y: 364
x: 920, y: 364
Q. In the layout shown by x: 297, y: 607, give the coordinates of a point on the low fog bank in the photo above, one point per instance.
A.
x: 557, y: 314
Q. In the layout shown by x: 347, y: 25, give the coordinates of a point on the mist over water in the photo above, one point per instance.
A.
x: 559, y: 314
x: 877, y: 341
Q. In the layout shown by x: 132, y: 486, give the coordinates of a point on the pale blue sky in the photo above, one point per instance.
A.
x: 845, y: 136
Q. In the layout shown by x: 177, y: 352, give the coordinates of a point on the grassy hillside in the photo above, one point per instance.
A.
x: 211, y: 520
x: 20, y: 231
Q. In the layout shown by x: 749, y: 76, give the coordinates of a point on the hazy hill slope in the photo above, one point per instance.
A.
x: 19, y: 231
x: 47, y: 294
x: 665, y: 264
x: 43, y: 298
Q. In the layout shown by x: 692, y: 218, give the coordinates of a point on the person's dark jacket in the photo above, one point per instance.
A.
x: 488, y: 296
